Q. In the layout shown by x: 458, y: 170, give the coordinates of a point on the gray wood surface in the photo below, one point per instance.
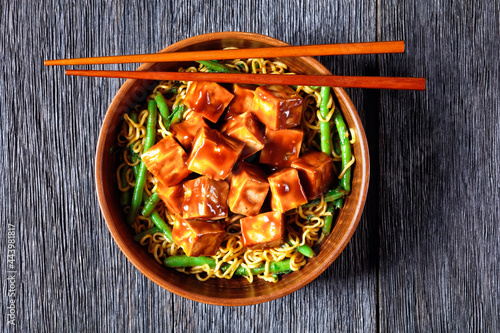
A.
x: 426, y: 254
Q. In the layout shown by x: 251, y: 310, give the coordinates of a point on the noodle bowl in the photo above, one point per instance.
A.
x: 303, y: 223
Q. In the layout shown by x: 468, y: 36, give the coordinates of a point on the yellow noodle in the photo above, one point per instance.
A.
x: 348, y: 165
x: 303, y: 225
x: 353, y: 136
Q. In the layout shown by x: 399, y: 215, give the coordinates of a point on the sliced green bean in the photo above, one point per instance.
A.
x: 151, y: 125
x: 329, y: 196
x: 345, y: 146
x: 324, y: 126
x: 141, y: 176
x: 134, y: 157
x: 160, y: 223
x: 150, y: 204
x: 175, y: 116
x: 158, y: 220
x: 151, y: 231
x: 339, y: 203
x: 185, y: 261
x: 277, y: 267
x: 216, y: 67
x: 162, y: 107
x: 327, y: 227
x: 304, y: 250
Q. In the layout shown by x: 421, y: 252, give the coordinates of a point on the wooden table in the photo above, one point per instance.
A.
x: 426, y: 254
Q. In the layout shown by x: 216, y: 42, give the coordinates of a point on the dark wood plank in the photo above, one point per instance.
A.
x: 71, y: 276
x: 425, y: 255
x: 439, y: 245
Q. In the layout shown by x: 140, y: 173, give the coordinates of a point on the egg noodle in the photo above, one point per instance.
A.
x: 303, y: 225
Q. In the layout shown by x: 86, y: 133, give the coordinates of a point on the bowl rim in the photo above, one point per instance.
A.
x: 345, y: 102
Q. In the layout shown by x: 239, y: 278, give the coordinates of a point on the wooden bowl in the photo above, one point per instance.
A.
x: 236, y: 291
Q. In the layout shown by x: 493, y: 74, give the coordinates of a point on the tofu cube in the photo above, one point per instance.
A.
x: 245, y: 129
x: 243, y: 100
x: 263, y: 231
x: 315, y: 171
x: 198, y: 238
x: 172, y: 196
x: 213, y: 154
x: 185, y: 131
x: 248, y: 189
x: 209, y: 99
x: 166, y: 160
x: 278, y: 106
x: 205, y: 198
x: 282, y: 147
x: 286, y: 190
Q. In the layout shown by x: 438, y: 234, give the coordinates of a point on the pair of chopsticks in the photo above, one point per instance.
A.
x: 404, y: 83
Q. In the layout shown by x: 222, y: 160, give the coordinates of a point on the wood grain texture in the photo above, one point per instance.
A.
x: 439, y: 245
x: 425, y: 255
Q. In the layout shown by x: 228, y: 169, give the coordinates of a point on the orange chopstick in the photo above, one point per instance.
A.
x: 372, y: 82
x: 265, y: 52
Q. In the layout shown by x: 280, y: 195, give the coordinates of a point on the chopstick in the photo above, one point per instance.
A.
x: 265, y: 52
x: 372, y: 82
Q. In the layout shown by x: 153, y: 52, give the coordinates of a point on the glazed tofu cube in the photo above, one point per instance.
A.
x: 278, y: 106
x: 263, y: 231
x: 243, y: 100
x: 185, y: 131
x: 315, y: 172
x: 198, y: 238
x: 282, y: 147
x: 213, y: 154
x: 286, y: 190
x: 248, y: 189
x: 245, y: 129
x: 209, y: 99
x: 205, y: 198
x: 166, y: 160
x: 172, y: 196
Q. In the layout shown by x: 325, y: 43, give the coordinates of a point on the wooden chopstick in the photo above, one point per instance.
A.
x: 373, y: 82
x: 265, y: 52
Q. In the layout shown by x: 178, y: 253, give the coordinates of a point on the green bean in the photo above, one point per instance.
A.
x: 185, y: 261
x: 339, y: 203
x: 141, y: 176
x: 345, y: 146
x: 216, y: 67
x: 158, y: 220
x: 160, y: 223
x: 151, y: 231
x: 133, y: 116
x: 133, y: 155
x: 336, y: 147
x: 163, y: 108
x: 124, y: 195
x: 327, y: 227
x: 150, y: 204
x: 304, y: 250
x: 151, y: 125
x: 324, y: 126
x: 329, y: 196
x: 176, y: 115
x: 277, y: 267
